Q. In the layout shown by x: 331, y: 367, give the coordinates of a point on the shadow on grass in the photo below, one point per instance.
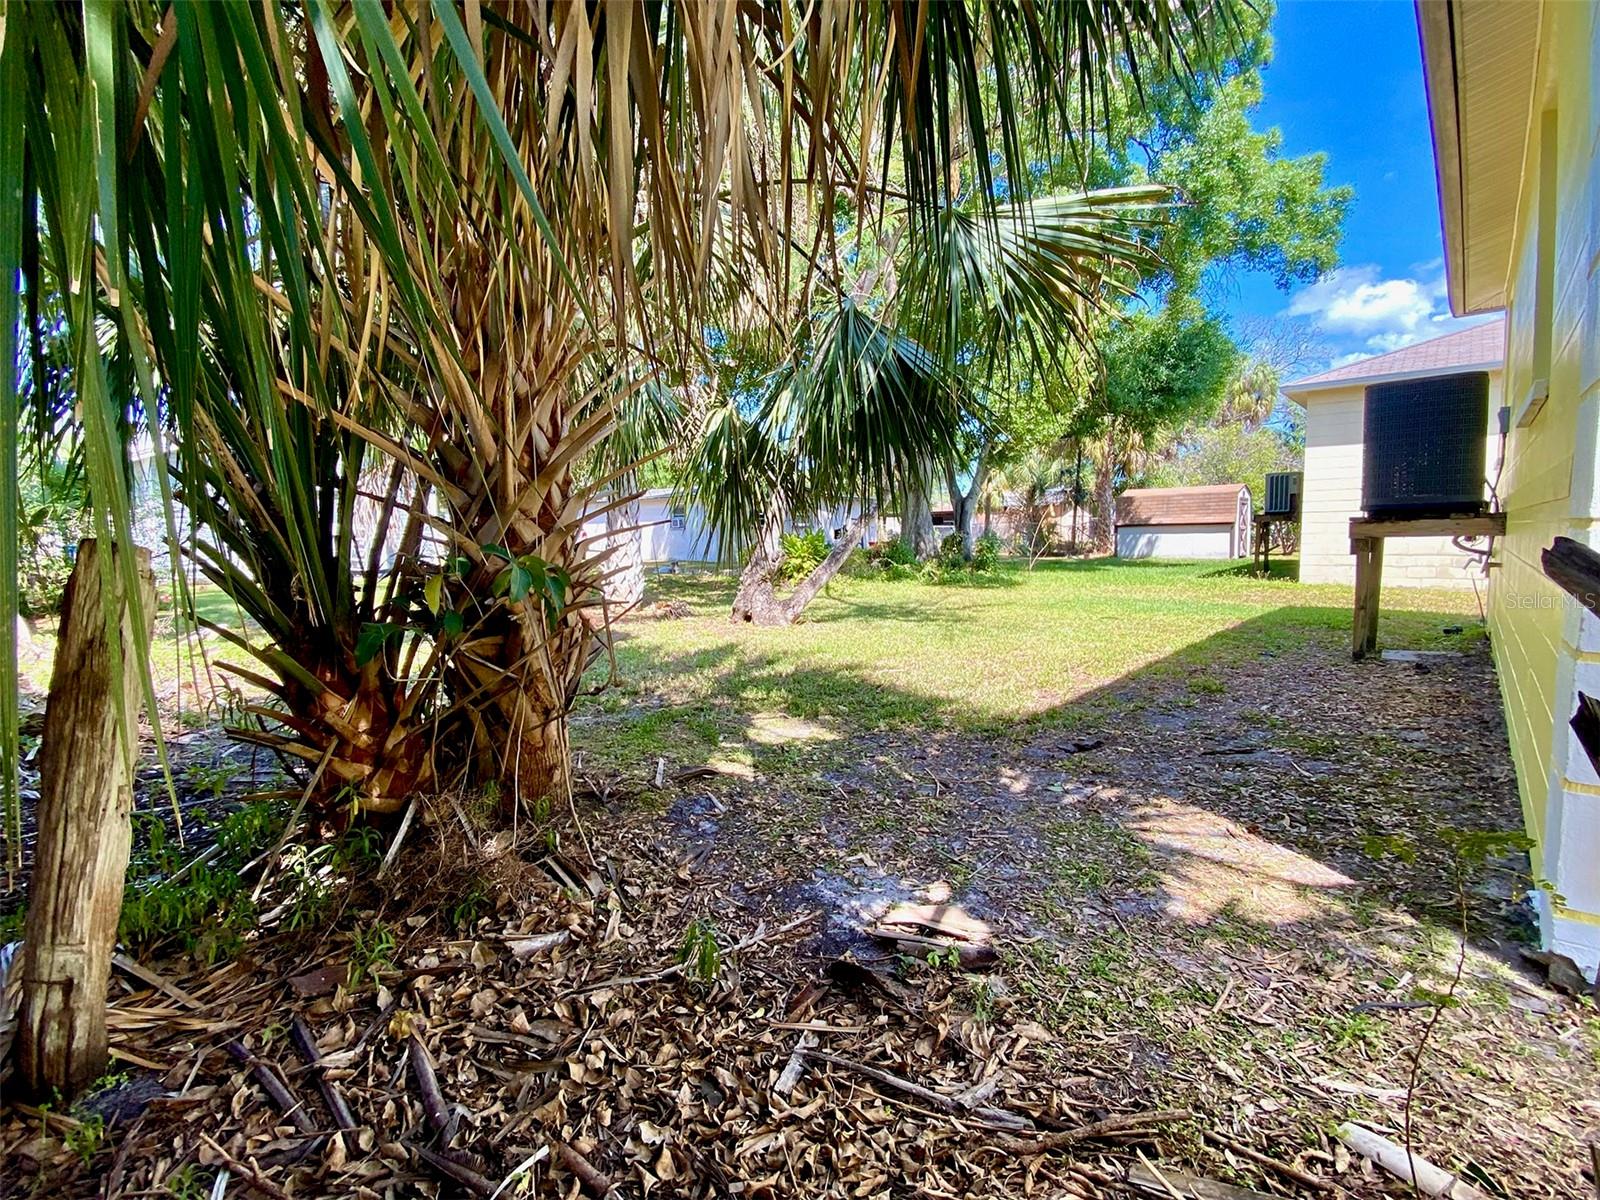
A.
x: 840, y: 609
x: 1277, y: 568
x: 1278, y: 794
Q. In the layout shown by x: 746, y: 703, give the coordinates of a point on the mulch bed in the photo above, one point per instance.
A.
x: 568, y: 1039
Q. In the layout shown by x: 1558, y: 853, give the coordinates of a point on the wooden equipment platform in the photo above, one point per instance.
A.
x: 1261, y: 537
x: 1367, y: 535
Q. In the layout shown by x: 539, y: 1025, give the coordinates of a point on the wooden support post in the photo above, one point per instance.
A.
x: 84, y: 823
x: 1369, y: 580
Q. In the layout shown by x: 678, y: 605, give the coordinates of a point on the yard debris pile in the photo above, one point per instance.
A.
x: 619, y: 1034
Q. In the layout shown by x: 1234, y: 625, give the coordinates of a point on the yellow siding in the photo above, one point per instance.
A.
x: 1331, y: 494
x: 1548, y: 484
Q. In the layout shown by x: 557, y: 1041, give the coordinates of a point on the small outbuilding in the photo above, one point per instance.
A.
x: 1184, y: 522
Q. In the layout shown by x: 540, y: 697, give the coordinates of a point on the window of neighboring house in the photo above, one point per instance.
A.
x: 680, y: 519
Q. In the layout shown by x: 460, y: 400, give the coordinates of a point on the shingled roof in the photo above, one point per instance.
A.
x: 1213, y: 504
x: 1479, y: 348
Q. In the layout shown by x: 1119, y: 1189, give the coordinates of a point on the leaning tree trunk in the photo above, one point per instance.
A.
x: 757, y: 602
x: 84, y: 821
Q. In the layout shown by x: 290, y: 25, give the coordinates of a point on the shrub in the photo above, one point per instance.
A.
x: 802, y: 554
x: 952, y: 552
x: 894, y: 553
x: 860, y: 565
x: 986, y: 552
x: 207, y: 912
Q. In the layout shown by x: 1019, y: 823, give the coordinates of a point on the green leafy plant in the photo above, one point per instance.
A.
x: 986, y: 552
x: 952, y: 554
x: 983, y: 1001
x: 948, y: 959
x: 358, y: 849
x: 250, y: 829
x: 893, y: 553
x: 207, y: 914
x: 53, y: 514
x: 213, y: 779
x: 1355, y: 1031
x: 207, y: 911
x: 700, y: 953
x: 87, y: 1136
x: 372, y: 948
x: 185, y: 1184
x: 802, y: 554
x: 474, y: 903
x: 11, y: 925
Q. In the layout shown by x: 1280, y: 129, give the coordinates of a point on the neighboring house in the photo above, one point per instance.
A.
x: 1330, y: 491
x: 1184, y: 522
x: 676, y: 531
x: 1011, y: 520
x: 1515, y: 105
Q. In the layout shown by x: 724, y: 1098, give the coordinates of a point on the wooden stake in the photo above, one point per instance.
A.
x: 84, y: 821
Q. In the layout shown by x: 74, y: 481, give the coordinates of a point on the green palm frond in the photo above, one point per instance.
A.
x: 1032, y: 278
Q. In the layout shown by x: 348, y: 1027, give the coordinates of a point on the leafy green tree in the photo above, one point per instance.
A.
x: 1246, y: 206
x: 1243, y: 205
x: 1159, y: 371
x: 1229, y: 452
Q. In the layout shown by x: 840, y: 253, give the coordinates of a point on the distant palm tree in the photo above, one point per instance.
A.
x: 442, y: 247
x: 1251, y: 395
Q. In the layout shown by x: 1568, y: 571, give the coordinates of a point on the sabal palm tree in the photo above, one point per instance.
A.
x: 856, y: 413
x: 441, y: 246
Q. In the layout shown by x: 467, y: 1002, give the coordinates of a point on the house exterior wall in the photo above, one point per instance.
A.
x: 1330, y: 494
x: 678, y: 532
x: 1547, y: 647
x: 1176, y: 541
x: 687, y: 539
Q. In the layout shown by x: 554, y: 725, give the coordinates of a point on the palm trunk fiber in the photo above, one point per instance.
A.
x: 84, y: 820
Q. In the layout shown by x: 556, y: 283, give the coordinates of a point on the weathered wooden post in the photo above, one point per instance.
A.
x: 84, y: 824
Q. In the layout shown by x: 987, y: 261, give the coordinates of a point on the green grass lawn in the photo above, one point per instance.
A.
x: 1022, y: 646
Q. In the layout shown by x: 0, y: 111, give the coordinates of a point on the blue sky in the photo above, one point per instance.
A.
x: 1346, y: 79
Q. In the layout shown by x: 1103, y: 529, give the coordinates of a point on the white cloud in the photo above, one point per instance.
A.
x: 1384, y: 314
x: 1362, y: 313
x: 1344, y: 360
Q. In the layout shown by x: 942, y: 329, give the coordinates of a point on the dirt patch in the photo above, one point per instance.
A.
x: 1239, y: 902
x: 1246, y: 901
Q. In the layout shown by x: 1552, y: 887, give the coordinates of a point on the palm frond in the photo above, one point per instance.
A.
x: 1030, y: 279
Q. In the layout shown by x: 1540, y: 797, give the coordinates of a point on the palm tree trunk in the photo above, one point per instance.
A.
x: 519, y: 673
x: 625, y: 567
x: 916, y: 515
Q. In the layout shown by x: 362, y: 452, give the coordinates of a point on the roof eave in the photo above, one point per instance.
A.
x: 1435, y: 31
x: 1331, y: 385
